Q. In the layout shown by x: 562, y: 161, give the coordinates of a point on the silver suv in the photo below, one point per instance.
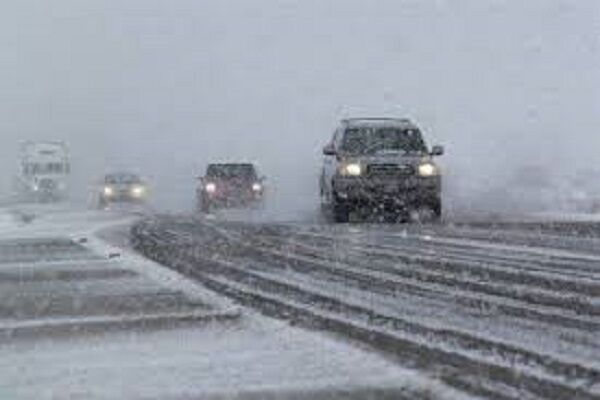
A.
x: 380, y: 164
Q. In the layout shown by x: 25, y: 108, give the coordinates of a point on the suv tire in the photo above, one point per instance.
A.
x: 437, y: 209
x: 204, y: 206
x: 341, y: 212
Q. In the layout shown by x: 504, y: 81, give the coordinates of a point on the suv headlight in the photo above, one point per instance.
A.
x: 351, y: 169
x: 108, y: 191
x: 428, y: 169
x: 138, y: 191
x: 210, y: 187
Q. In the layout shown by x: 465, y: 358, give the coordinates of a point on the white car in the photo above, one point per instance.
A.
x: 123, y: 187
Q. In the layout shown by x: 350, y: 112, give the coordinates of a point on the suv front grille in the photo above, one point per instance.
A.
x: 47, y: 184
x: 385, y: 170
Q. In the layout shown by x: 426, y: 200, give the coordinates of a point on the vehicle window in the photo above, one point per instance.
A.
x: 41, y: 168
x: 231, y: 171
x: 122, y: 179
x: 376, y: 140
x: 336, y: 137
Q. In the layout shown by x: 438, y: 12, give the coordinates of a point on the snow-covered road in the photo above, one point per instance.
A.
x: 499, y: 312
x: 84, y: 317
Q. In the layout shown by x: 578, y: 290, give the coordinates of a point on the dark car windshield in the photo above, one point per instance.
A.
x: 126, y: 179
x: 244, y: 171
x: 370, y: 140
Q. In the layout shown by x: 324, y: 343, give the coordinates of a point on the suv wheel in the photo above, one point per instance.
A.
x: 102, y: 204
x: 436, y: 207
x: 204, y: 206
x: 341, y: 212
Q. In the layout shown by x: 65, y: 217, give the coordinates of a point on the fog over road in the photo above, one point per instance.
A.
x: 165, y: 88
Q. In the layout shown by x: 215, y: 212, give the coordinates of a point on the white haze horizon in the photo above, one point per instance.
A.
x: 164, y: 87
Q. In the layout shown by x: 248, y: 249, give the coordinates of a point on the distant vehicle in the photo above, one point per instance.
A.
x: 44, y: 172
x: 380, y: 164
x: 230, y: 185
x: 122, y: 187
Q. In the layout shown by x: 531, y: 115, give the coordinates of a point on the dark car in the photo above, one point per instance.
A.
x: 230, y: 185
x: 380, y: 164
x: 122, y: 187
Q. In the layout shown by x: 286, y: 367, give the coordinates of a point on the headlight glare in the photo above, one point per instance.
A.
x: 352, y: 169
x: 108, y: 191
x: 210, y: 188
x: 257, y: 187
x: 428, y: 169
x: 138, y: 191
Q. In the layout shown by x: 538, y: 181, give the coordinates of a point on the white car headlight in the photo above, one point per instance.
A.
x: 210, y: 188
x: 352, y: 169
x: 256, y: 187
x: 108, y: 191
x: 138, y: 191
x: 428, y: 169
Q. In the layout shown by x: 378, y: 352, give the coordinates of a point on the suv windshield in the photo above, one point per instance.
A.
x: 123, y: 179
x: 245, y: 171
x: 369, y: 140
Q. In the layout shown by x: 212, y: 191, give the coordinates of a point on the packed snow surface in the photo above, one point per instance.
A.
x: 54, y: 352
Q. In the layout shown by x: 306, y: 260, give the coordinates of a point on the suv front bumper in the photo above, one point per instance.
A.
x: 232, y: 199
x: 408, y: 192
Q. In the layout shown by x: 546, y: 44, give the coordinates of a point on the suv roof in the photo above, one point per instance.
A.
x: 400, y: 122
x: 222, y: 164
x: 231, y: 169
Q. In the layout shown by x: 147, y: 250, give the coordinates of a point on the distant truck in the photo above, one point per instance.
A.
x: 44, y: 172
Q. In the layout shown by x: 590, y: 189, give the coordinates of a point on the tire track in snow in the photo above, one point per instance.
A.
x: 177, y: 250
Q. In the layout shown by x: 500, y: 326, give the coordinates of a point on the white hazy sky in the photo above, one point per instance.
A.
x: 166, y: 86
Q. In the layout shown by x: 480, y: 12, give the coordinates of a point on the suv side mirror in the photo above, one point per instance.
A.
x: 329, y: 150
x: 437, y: 151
